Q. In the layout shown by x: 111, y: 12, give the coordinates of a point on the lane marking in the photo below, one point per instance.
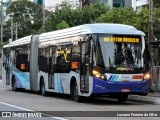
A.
x: 0, y: 81
x: 25, y: 109
x: 59, y: 118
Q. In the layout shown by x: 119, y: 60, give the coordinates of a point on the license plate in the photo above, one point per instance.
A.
x: 125, y: 90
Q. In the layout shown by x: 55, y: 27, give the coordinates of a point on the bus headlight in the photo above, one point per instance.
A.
x: 99, y: 75
x: 147, y: 76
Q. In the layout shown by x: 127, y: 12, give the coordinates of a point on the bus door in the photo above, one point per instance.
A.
x: 84, y: 66
x: 7, y: 67
x: 51, y: 84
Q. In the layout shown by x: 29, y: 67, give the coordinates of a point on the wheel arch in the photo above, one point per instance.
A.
x: 72, y: 82
x: 12, y: 80
x: 40, y: 81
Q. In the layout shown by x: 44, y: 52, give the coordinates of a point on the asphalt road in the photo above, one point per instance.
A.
x: 28, y: 100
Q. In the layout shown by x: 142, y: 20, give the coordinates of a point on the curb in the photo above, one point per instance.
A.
x: 145, y: 99
x: 154, y: 94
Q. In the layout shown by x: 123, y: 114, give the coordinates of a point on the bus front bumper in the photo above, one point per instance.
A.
x: 137, y: 87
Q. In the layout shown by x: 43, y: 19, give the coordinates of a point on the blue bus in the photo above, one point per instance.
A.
x: 86, y: 60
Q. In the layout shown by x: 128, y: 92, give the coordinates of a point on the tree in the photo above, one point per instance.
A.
x: 119, y: 15
x: 62, y: 12
x: 156, y: 23
x: 62, y: 25
x: 73, y: 17
x: 28, y: 15
x: 130, y: 17
x: 142, y: 20
x: 156, y: 3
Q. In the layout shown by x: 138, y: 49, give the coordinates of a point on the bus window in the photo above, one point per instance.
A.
x: 42, y: 60
x: 22, y: 62
x: 99, y: 57
x: 75, y: 57
x: 63, y: 60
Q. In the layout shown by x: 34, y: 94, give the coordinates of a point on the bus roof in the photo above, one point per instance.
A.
x: 107, y: 28
x: 21, y: 41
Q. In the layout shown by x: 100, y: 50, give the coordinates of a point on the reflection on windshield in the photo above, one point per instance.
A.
x: 119, y: 52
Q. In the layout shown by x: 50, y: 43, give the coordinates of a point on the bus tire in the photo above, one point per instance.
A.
x: 122, y: 98
x: 76, y: 97
x: 42, y: 88
x: 14, y: 84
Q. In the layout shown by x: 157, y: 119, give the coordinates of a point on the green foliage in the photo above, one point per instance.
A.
x: 73, y: 17
x: 24, y: 12
x: 142, y: 20
x: 117, y: 15
x: 130, y: 17
x: 156, y: 23
x: 62, y: 25
x: 156, y: 3
x: 66, y: 16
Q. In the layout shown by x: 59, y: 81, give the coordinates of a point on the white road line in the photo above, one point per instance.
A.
x: 25, y: 109
x: 0, y: 81
x: 59, y: 118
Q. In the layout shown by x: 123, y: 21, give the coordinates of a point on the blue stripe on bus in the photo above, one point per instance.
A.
x: 110, y: 78
x: 116, y: 77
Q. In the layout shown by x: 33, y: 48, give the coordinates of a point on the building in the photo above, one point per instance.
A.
x: 138, y: 4
x: 51, y: 4
x: 110, y: 3
x: 5, y: 4
x: 38, y: 1
x: 135, y: 4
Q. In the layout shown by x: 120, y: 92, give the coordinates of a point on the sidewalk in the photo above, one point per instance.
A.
x: 154, y: 94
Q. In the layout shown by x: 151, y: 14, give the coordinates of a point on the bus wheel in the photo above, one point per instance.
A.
x: 14, y: 85
x: 43, y: 90
x: 122, y: 98
x: 76, y: 97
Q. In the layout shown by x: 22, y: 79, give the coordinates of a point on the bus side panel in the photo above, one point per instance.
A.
x: 7, y: 63
x: 27, y: 79
x: 22, y: 78
x: 45, y: 78
x: 60, y: 81
x: 77, y: 76
x: 4, y: 69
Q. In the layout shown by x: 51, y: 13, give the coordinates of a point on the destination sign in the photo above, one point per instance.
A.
x: 121, y: 39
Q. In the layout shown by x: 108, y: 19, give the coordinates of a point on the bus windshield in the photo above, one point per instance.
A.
x: 119, y: 52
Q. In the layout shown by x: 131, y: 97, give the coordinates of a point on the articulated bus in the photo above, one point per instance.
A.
x: 86, y: 60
